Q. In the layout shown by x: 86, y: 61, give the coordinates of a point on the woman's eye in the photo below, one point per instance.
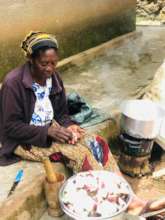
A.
x: 43, y: 64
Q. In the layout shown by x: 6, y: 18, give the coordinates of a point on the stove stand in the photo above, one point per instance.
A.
x: 135, y: 155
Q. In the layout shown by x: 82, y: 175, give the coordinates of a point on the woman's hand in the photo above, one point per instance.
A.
x: 77, y: 133
x: 59, y: 133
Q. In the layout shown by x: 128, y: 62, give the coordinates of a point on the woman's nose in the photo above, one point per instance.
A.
x: 50, y: 68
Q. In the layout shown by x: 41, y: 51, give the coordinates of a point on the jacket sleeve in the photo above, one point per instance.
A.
x: 14, y: 122
x: 62, y: 114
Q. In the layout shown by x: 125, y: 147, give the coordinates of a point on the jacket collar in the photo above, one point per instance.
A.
x: 27, y: 80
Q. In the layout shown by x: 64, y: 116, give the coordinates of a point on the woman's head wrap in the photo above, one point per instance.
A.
x: 36, y: 40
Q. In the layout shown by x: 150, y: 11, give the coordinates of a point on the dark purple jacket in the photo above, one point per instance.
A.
x: 17, y: 101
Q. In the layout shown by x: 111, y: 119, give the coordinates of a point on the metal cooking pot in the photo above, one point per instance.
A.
x: 141, y: 118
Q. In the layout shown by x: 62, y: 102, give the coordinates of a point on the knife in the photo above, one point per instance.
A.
x: 18, y: 178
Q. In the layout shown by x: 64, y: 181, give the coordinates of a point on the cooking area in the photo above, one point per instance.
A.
x: 140, y: 55
x: 140, y: 125
x: 137, y: 145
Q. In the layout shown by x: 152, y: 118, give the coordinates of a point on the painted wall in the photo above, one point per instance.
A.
x: 78, y: 24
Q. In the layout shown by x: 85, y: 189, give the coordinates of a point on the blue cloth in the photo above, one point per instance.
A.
x: 82, y: 113
x: 96, y: 149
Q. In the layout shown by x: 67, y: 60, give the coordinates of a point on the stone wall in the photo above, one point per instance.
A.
x: 151, y: 9
x: 78, y: 24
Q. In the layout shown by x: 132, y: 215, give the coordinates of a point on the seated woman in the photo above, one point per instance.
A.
x: 34, y: 120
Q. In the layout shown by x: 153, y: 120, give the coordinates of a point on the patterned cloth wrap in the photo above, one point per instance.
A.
x: 90, y: 153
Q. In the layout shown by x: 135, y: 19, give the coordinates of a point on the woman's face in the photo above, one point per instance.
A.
x: 44, y: 64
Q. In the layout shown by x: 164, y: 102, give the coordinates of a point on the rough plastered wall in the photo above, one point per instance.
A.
x: 78, y: 24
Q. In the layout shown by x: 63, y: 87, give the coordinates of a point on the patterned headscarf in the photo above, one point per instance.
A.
x: 37, y: 40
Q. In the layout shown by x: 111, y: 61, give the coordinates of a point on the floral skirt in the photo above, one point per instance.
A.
x: 91, y: 153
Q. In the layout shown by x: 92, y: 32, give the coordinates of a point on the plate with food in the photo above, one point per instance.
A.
x: 95, y: 195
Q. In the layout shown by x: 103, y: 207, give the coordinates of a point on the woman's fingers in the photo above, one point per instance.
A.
x: 70, y: 135
x: 60, y: 140
x: 72, y: 142
x: 77, y: 132
x: 59, y: 134
x: 81, y: 130
x: 64, y: 135
x: 74, y: 138
x: 65, y: 132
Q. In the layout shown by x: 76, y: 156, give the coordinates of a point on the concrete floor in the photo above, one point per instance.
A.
x: 7, y: 176
x: 120, y: 73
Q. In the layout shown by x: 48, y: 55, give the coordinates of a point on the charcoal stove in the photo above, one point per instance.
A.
x: 135, y: 154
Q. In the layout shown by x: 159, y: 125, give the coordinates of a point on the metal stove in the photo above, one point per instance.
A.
x: 135, y: 154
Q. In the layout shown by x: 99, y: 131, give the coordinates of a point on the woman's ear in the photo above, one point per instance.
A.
x: 29, y: 58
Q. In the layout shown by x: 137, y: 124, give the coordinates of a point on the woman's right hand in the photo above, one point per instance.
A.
x: 59, y: 133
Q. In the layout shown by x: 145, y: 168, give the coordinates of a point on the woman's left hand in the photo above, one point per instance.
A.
x: 77, y: 133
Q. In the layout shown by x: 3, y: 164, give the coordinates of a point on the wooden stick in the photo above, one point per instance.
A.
x: 50, y: 174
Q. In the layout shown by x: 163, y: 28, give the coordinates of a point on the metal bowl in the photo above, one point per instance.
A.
x: 111, y: 177
x: 141, y: 118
